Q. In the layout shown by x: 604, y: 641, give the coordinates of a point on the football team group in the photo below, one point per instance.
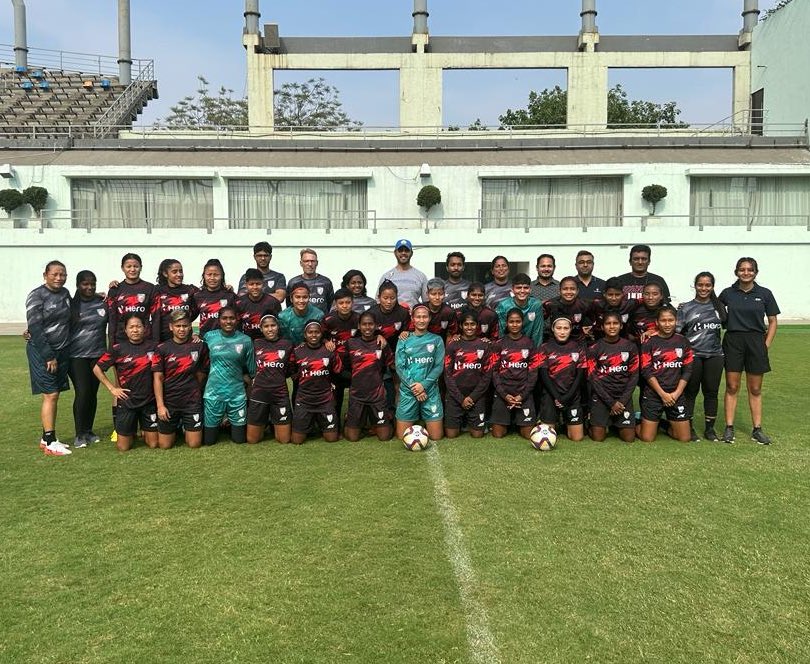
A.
x: 458, y: 356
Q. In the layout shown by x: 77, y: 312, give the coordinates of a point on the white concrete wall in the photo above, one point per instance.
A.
x: 780, y: 56
x: 679, y: 251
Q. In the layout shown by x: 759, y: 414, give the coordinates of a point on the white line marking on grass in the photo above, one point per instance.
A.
x: 480, y: 639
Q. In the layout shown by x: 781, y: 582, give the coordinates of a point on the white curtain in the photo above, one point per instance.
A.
x: 760, y: 201
x: 300, y: 204
x: 121, y: 203
x: 552, y: 202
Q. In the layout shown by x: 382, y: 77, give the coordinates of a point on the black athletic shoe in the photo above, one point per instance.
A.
x: 728, y: 435
x: 758, y: 435
x: 711, y: 435
x: 693, y: 437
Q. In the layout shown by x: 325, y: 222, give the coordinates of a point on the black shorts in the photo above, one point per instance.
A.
x: 601, y: 417
x: 746, y: 351
x: 304, y: 416
x: 277, y: 413
x: 455, y: 417
x: 504, y: 416
x: 42, y: 381
x: 127, y: 419
x: 572, y: 413
x: 361, y: 413
x: 191, y: 418
x: 652, y: 407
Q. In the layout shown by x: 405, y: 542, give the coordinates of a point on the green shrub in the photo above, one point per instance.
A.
x: 36, y: 197
x: 10, y: 200
x: 428, y: 197
x: 654, y: 193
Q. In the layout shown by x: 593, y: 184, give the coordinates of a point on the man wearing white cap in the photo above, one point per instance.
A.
x: 411, y: 283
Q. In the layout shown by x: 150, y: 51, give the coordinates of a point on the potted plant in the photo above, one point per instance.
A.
x: 36, y: 197
x: 428, y: 197
x: 653, y: 194
x: 10, y: 200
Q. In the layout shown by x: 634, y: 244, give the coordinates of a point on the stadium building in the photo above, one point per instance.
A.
x: 738, y: 187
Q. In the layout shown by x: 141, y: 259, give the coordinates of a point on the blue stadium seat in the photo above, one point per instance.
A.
x: 44, y: 85
x: 106, y: 84
x: 20, y: 69
x: 27, y: 85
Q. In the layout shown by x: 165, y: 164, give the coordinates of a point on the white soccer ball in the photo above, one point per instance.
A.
x: 415, y: 438
x: 543, y: 437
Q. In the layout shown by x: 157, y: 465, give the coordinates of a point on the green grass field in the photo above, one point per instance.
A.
x: 474, y: 551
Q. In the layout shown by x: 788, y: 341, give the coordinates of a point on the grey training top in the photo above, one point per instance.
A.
x: 455, y: 295
x: 88, y: 330
x: 321, y: 292
x: 47, y: 313
x: 700, y: 324
x: 411, y: 285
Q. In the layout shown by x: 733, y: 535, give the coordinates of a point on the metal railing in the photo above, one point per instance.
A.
x: 124, y: 103
x: 69, y: 61
x: 367, y: 220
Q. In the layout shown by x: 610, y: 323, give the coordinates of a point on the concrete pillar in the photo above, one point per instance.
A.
x: 20, y: 34
x: 420, y: 95
x: 750, y: 16
x: 259, y: 87
x: 124, y: 44
x: 587, y: 93
x: 741, y: 95
x: 589, y: 33
x: 252, y: 16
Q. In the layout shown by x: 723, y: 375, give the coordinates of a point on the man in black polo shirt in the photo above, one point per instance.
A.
x: 590, y: 287
x: 634, y: 281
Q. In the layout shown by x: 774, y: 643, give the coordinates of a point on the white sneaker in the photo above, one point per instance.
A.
x: 55, y: 448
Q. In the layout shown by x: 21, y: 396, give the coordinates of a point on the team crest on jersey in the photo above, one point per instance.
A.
x: 575, y: 357
x: 196, y: 417
x: 141, y: 297
x: 574, y: 412
x: 485, y: 328
x: 194, y: 355
x: 434, y: 408
x: 330, y: 417
x: 481, y: 416
x: 480, y: 353
x: 282, y: 410
x: 149, y: 354
x: 625, y: 317
x: 320, y: 290
x: 281, y: 354
x: 184, y: 297
x: 430, y: 347
x: 625, y: 356
x: 241, y: 412
x: 381, y: 416
x: 354, y: 331
x: 326, y: 361
x: 378, y: 353
x: 444, y: 324
x: 223, y: 303
x: 101, y: 312
x: 463, y: 295
x: 680, y: 409
x: 397, y: 325
x: 524, y: 352
x: 626, y: 414
x: 679, y: 352
x: 577, y: 318
x: 532, y: 315
x: 366, y: 307
x: 270, y: 284
x: 526, y: 412
x: 153, y: 417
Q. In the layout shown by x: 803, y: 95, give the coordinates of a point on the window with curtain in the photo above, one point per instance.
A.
x: 552, y: 202
x: 155, y: 203
x: 298, y: 204
x: 759, y: 201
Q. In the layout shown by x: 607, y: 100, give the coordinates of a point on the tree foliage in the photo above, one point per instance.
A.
x: 36, y: 197
x: 654, y: 194
x: 549, y: 108
x: 10, y: 200
x: 428, y: 196
x: 312, y: 104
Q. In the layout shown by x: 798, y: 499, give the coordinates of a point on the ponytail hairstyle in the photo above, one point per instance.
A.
x: 716, y: 303
x: 667, y: 308
x: 387, y: 284
x: 75, y: 303
x: 213, y: 262
x: 131, y: 257
x: 163, y: 270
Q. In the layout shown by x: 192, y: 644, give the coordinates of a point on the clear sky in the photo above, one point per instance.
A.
x: 204, y: 37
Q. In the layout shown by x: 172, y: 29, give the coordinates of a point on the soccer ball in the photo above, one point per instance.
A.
x: 415, y: 438
x: 543, y: 438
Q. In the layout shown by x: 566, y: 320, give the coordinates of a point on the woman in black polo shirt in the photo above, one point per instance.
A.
x: 746, y: 344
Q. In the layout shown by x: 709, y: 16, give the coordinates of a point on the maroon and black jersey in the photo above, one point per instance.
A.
x: 180, y: 364
x: 275, y: 362
x: 562, y: 362
x: 128, y: 298
x: 667, y: 360
x: 577, y: 311
x: 209, y: 303
x: 367, y: 363
x: 468, y: 368
x: 599, y: 307
x: 613, y: 370
x: 487, y: 321
x: 133, y: 365
x: 390, y: 324
x: 515, y: 368
x: 314, y: 368
x: 168, y: 299
x: 443, y: 322
x: 250, y: 312
x: 643, y: 320
x: 339, y: 330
